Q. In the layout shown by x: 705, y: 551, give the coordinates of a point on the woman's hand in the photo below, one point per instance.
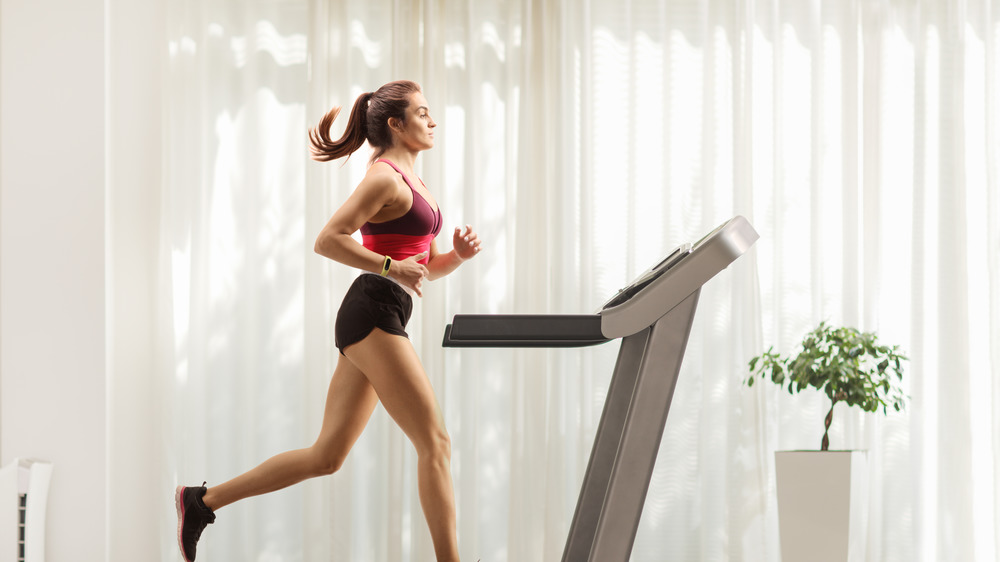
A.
x: 466, y: 244
x: 409, y: 272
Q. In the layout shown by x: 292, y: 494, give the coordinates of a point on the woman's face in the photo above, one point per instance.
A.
x: 417, y: 133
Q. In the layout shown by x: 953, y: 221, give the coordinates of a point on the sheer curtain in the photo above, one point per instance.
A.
x: 584, y: 140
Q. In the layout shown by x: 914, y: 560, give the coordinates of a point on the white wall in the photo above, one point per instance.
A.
x: 79, y: 184
x: 52, y: 266
x: 136, y: 47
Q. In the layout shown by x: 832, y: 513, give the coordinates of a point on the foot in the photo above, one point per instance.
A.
x: 192, y: 518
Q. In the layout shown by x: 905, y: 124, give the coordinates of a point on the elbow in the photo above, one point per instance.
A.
x: 322, y: 245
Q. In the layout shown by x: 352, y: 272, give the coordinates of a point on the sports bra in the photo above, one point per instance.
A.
x: 407, y: 235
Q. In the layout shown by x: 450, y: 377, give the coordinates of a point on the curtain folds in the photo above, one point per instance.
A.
x: 584, y: 140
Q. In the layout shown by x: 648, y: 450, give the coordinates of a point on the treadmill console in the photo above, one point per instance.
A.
x: 669, y: 282
x: 648, y: 276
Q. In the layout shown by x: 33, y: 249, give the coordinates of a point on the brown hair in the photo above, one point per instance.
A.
x: 369, y: 121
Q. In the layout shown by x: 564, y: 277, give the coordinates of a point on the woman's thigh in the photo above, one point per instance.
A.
x: 350, y: 401
x: 391, y: 365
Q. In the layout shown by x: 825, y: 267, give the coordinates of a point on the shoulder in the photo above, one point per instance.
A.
x: 380, y: 183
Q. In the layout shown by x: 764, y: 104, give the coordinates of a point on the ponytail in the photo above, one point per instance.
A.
x: 369, y: 121
x: 324, y: 149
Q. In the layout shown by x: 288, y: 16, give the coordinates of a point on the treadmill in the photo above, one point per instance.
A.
x: 653, y: 317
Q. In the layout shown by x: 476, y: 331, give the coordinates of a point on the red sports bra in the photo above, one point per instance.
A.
x: 407, y: 235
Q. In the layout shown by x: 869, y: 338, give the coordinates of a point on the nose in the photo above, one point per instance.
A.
x: 432, y: 123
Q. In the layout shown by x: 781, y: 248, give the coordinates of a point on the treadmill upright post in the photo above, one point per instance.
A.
x: 628, y: 439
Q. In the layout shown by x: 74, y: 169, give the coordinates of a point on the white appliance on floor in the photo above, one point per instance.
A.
x: 24, y: 493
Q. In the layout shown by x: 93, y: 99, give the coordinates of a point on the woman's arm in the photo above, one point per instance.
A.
x: 466, y: 245
x: 335, y: 241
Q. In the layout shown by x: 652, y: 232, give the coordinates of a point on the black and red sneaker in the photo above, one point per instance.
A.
x: 192, y: 518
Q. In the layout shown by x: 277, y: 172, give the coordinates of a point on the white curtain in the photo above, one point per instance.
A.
x: 584, y: 139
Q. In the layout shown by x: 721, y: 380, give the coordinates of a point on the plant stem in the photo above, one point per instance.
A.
x: 828, y: 421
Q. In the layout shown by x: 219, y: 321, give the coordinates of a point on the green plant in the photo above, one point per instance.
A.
x: 845, y: 364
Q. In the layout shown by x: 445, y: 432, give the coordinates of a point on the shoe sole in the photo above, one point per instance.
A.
x: 179, y: 504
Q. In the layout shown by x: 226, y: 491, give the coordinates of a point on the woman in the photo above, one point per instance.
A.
x: 398, y: 219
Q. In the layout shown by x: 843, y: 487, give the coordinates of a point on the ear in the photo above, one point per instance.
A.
x: 395, y: 124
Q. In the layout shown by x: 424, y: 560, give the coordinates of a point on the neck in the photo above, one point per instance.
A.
x: 401, y: 157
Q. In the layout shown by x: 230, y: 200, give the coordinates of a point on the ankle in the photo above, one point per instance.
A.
x: 208, y: 500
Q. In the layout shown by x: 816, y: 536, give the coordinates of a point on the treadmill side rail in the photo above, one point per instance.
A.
x: 524, y: 330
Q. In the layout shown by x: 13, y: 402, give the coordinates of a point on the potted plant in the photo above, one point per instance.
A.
x: 822, y: 495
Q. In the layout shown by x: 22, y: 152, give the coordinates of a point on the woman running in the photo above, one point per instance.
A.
x: 399, y: 220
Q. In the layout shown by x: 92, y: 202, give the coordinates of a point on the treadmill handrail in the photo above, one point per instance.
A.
x: 523, y: 330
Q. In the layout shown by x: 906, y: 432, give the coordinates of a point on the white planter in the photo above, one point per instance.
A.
x: 822, y: 505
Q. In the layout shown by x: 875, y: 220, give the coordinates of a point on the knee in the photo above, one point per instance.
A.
x: 436, y: 445
x: 325, y: 463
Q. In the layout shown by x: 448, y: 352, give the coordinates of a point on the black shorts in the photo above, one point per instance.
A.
x: 372, y: 302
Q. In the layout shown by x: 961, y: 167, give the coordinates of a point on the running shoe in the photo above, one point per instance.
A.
x: 192, y: 518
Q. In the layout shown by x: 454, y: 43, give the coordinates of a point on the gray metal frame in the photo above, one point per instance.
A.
x: 628, y: 438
